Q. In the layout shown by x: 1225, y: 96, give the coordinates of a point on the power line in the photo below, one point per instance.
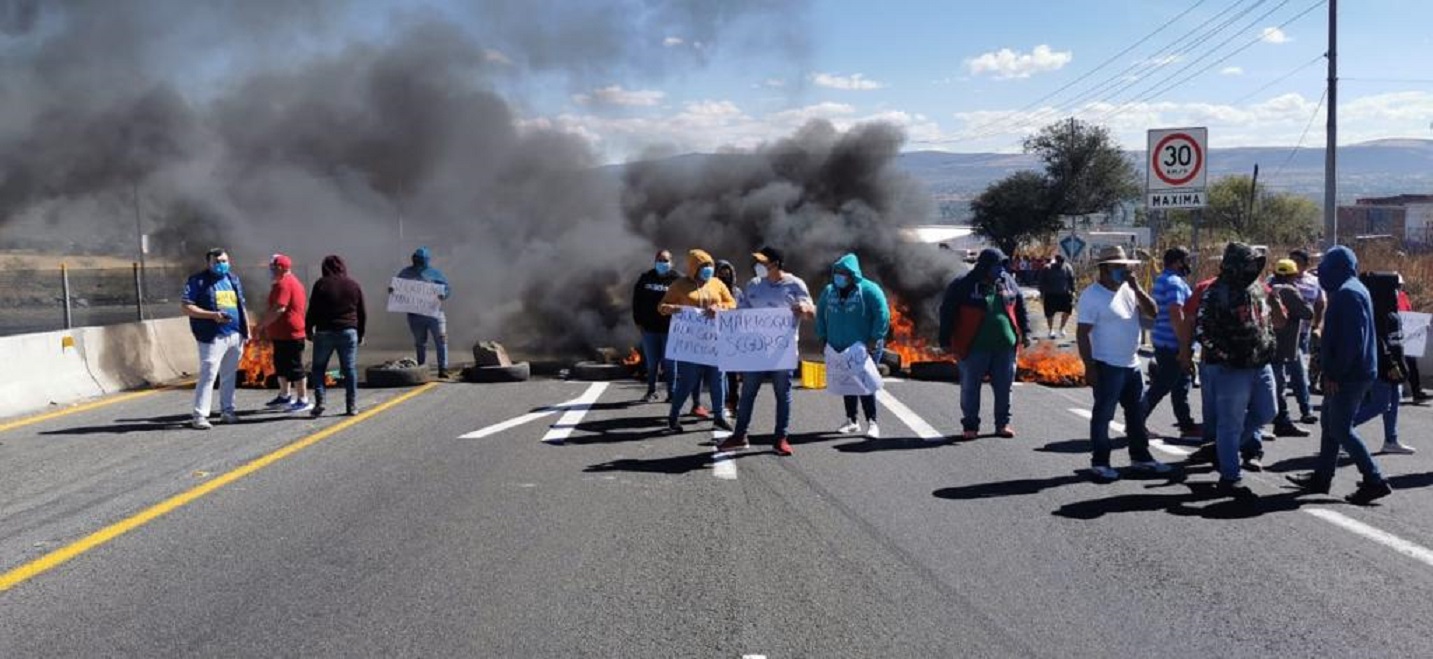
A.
x: 1298, y: 145
x: 1317, y: 59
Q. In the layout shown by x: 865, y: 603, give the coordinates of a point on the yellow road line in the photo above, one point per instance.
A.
x: 85, y: 407
x: 58, y: 557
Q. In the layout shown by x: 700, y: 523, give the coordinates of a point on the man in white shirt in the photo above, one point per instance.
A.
x: 1108, y: 336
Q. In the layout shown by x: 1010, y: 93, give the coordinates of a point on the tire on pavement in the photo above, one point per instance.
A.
x: 600, y: 372
x: 396, y: 377
x: 519, y: 372
x: 934, y: 371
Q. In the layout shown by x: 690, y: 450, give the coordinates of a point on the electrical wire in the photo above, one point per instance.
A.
x: 1304, y: 136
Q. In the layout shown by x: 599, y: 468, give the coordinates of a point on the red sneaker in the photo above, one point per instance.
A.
x: 783, y: 447
x: 733, y: 443
x: 1005, y: 431
x: 701, y: 412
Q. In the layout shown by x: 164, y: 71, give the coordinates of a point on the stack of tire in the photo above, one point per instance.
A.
x: 491, y: 364
x: 401, y: 373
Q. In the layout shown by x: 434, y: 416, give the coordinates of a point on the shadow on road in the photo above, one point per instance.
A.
x: 614, y: 431
x: 675, y: 465
x: 892, y: 444
x: 173, y: 422
x: 1081, y: 445
x: 1187, y: 504
x: 1018, y: 487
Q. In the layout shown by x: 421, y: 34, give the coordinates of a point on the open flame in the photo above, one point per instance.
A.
x: 1047, y: 364
x: 904, y: 340
x: 633, y: 358
x: 256, y: 368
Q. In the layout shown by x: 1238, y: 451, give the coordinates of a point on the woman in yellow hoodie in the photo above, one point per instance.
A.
x: 702, y: 290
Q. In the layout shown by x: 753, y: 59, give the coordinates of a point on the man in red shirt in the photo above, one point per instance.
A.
x: 283, y: 324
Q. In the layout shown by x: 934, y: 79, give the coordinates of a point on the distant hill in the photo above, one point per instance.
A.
x: 1370, y: 169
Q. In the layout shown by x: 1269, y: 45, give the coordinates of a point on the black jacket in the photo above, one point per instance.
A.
x: 647, y: 295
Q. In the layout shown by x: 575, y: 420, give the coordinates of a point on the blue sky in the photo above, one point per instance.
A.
x: 966, y: 76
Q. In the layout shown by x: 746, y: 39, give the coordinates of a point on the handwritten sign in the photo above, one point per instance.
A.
x: 851, y: 372
x: 1415, y: 332
x: 693, y: 338
x: 755, y: 340
x: 414, y: 296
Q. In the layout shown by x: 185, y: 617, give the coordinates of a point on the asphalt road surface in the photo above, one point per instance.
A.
x: 440, y: 523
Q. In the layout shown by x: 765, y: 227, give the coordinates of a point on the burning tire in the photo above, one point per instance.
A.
x: 519, y: 372
x: 934, y: 371
x: 410, y: 376
x: 600, y: 372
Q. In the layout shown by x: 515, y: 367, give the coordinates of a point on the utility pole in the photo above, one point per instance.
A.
x: 1331, y: 147
x: 139, y: 238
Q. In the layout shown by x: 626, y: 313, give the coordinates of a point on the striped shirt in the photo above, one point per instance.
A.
x: 1169, y: 289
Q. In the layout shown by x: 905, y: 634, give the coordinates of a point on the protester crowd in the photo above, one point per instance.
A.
x: 1252, y: 335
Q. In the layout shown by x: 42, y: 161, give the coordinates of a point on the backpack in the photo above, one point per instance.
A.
x: 1383, y: 290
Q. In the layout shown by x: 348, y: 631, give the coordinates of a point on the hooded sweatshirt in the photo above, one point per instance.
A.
x: 423, y: 270
x: 1349, y: 351
x: 729, y: 281
x: 336, y: 303
x: 1234, y: 325
x: 689, y: 291
x: 855, y: 314
x: 964, y: 308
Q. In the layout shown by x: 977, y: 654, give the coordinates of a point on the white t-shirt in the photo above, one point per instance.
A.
x: 1114, y: 320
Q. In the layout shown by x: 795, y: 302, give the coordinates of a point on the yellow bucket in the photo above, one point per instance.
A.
x: 813, y: 375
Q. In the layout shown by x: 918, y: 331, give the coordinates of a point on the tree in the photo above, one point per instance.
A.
x: 1087, y: 170
x: 1276, y: 218
x: 1015, y: 210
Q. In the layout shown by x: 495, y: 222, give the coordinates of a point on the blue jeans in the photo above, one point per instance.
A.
x: 1000, y: 366
x: 1382, y: 400
x: 751, y: 386
x: 654, y: 350
x: 421, y: 327
x: 345, y: 343
x: 1170, y: 380
x: 1121, y: 386
x: 1296, y: 373
x: 688, y: 375
x: 1338, y: 431
x: 1245, y: 402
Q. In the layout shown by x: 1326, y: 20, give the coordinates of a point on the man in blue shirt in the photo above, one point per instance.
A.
x: 421, y: 326
x: 214, y: 302
x: 1171, y: 291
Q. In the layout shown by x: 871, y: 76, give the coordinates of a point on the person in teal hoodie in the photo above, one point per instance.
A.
x: 422, y: 326
x: 852, y: 310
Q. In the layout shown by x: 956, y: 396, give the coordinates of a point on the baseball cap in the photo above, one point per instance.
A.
x: 1286, y: 267
x: 282, y: 261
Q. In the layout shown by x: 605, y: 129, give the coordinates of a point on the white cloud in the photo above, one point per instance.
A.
x: 1006, y: 63
x: 496, y: 57
x: 672, y: 42
x: 1231, y: 71
x: 1275, y: 36
x: 1166, y: 60
x: 856, y: 82
x: 616, y: 95
x: 773, y: 83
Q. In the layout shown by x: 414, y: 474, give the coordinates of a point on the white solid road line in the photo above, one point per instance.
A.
x: 912, y: 420
x: 1409, y: 549
x: 509, y: 424
x: 576, y: 409
x: 723, y: 464
x: 1154, y: 443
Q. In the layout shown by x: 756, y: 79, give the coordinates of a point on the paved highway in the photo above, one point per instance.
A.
x: 440, y: 523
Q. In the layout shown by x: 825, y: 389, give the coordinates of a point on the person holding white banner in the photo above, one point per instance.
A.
x: 421, y: 326
x: 853, y: 310
x: 773, y: 288
x: 699, y: 289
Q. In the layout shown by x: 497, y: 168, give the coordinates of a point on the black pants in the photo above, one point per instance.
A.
x: 868, y: 405
x: 1415, y: 381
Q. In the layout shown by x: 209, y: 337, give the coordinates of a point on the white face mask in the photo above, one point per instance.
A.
x: 761, y: 271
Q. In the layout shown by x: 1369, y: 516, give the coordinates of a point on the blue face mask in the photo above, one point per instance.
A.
x: 706, y: 273
x: 663, y: 267
x: 841, y: 281
x: 220, y: 269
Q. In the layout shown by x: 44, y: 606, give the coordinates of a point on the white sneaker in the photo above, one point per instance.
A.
x: 1052, y: 335
x: 1063, y: 334
x: 1152, y: 466
x: 1105, y: 473
x: 851, y: 427
x: 1398, y: 448
x: 200, y: 423
x: 873, y: 431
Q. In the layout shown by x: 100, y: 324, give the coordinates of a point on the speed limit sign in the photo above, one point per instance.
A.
x: 1177, y: 170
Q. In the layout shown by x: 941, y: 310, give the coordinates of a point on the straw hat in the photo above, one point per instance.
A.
x: 1114, y: 255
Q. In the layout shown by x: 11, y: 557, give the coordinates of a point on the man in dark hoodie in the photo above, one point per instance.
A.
x: 1235, y: 327
x: 982, y: 321
x: 421, y: 326
x: 336, y: 322
x: 647, y: 295
x: 1349, y: 357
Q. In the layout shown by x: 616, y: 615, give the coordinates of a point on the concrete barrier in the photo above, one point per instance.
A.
x: 65, y: 367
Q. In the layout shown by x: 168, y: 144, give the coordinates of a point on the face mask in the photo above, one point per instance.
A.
x: 761, y: 271
x: 220, y: 269
x: 663, y: 267
x: 706, y: 273
x: 1119, y: 275
x: 841, y: 281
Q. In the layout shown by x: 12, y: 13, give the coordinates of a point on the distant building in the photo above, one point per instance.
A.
x: 1408, y: 217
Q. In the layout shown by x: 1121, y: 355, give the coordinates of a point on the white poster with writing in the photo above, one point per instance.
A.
x: 1415, y: 332
x: 693, y: 338
x: 756, y: 340
x: 414, y: 296
x: 851, y: 372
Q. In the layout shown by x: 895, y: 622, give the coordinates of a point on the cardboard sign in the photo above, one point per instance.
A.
x: 755, y: 340
x: 1415, y: 332
x: 693, y: 338
x: 851, y: 372
x: 414, y: 296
